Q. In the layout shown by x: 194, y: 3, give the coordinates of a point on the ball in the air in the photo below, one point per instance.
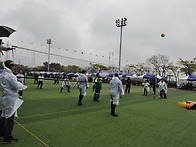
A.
x: 162, y: 35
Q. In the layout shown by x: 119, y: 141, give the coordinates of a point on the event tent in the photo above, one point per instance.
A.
x: 129, y: 75
x: 189, y: 78
x: 148, y: 76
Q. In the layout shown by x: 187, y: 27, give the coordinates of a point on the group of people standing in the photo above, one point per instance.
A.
x: 116, y: 90
x: 162, y: 88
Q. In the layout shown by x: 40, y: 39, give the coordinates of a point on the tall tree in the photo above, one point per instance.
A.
x: 96, y: 68
x: 189, y: 67
x: 175, y: 71
x: 74, y: 68
x: 160, y: 63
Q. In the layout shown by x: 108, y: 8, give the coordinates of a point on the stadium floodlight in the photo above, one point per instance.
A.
x: 120, y: 23
x: 49, y: 42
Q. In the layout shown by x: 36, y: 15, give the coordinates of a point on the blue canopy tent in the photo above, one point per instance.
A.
x: 71, y: 74
x: 93, y: 74
x: 124, y: 75
x: 147, y: 76
x: 110, y: 75
x: 152, y: 77
x: 129, y: 75
x: 187, y: 83
x: 189, y: 78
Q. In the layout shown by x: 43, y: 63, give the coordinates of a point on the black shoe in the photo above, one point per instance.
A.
x: 115, y: 115
x: 10, y: 141
x: 80, y: 104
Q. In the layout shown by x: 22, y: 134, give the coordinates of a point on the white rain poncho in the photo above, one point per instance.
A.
x: 162, y: 86
x: 9, y: 86
x: 83, y: 84
x: 66, y: 82
x: 116, y: 89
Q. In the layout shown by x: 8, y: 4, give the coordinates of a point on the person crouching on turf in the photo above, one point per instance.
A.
x: 9, y: 86
x: 83, y: 85
x: 116, y: 90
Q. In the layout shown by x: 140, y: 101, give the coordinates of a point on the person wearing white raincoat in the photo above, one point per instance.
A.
x: 163, y: 89
x: 83, y: 85
x: 9, y: 101
x: 3, y: 48
x: 116, y: 90
x: 66, y: 83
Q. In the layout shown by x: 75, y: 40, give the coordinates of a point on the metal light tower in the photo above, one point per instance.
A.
x: 120, y: 23
x: 49, y: 42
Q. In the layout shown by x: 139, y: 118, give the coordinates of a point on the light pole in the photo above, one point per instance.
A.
x: 120, y: 23
x: 49, y: 42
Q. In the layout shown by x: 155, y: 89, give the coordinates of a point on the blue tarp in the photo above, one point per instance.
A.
x: 110, y: 75
x: 129, y: 75
x: 148, y: 76
x: 93, y: 74
x: 189, y: 78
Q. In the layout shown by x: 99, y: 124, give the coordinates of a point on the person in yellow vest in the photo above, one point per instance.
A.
x: 162, y: 89
x: 98, y: 86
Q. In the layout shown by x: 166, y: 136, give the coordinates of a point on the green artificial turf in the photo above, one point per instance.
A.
x: 50, y: 118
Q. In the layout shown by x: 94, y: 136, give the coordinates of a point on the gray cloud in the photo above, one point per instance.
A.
x: 89, y: 26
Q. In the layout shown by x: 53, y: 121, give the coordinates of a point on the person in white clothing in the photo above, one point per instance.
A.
x: 162, y: 89
x: 83, y: 85
x: 9, y: 86
x: 3, y: 48
x: 20, y: 78
x: 146, y: 87
x: 40, y: 81
x: 66, y: 83
x: 116, y: 90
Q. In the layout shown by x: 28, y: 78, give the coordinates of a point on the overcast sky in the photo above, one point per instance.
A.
x: 88, y: 26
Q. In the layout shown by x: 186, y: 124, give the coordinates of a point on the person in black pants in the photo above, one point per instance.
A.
x: 128, y: 85
x: 9, y: 86
x: 66, y: 83
x: 6, y: 128
x: 116, y: 91
x: 40, y: 81
x: 98, y: 86
x: 83, y: 85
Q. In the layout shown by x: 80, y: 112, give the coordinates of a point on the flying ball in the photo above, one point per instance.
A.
x: 162, y: 35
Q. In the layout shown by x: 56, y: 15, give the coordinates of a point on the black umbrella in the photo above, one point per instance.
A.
x: 6, y: 31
